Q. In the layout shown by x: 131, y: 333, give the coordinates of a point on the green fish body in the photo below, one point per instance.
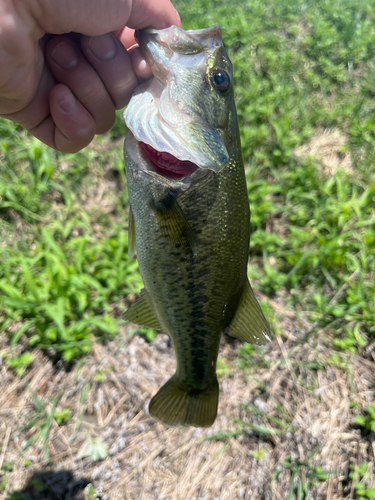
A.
x: 190, y: 218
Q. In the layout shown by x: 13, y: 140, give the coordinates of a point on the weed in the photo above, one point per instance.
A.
x: 368, y: 421
x: 146, y: 332
x: 15, y: 495
x: 222, y: 435
x: 63, y: 416
x: 358, y: 474
x: 253, y: 410
x: 91, y: 493
x: 245, y: 428
x: 40, y: 419
x: 99, y: 376
x: 3, y: 484
x: 22, y: 189
x: 8, y: 466
x: 20, y: 363
x: 222, y: 368
x: 303, y: 476
x: 259, y: 454
x: 65, y: 282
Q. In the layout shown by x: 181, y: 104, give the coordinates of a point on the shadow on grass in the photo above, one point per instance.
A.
x: 53, y: 485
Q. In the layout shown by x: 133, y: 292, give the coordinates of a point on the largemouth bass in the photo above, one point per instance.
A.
x: 189, y: 218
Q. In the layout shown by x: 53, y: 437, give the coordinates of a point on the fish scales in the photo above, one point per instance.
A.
x: 205, y: 281
x: 191, y: 230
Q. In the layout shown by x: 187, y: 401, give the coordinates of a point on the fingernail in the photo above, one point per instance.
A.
x: 64, y: 55
x: 103, y: 46
x: 68, y: 103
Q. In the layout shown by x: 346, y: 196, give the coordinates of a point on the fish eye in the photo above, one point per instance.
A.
x: 220, y: 79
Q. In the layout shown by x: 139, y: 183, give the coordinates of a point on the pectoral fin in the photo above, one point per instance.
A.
x: 131, y: 235
x: 172, y: 221
x: 142, y: 313
x: 249, y: 323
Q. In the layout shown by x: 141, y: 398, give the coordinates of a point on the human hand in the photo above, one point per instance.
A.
x: 64, y: 89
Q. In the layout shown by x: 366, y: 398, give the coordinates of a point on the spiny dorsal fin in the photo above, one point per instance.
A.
x: 173, y: 223
x: 131, y: 235
x: 142, y: 313
x: 174, y: 405
x: 249, y: 323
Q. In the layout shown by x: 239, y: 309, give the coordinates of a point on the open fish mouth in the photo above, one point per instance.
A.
x: 166, y: 164
x: 174, y: 116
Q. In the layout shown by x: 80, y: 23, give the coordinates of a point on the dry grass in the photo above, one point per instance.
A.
x: 108, y: 396
x: 329, y: 147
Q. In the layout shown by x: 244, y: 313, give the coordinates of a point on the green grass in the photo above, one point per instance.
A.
x: 299, y: 69
x: 59, y: 281
x: 61, y: 285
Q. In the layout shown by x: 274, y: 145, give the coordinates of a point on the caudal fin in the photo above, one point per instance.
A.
x: 173, y: 405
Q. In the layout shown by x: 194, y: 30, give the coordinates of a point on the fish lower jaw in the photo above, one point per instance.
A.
x: 166, y: 164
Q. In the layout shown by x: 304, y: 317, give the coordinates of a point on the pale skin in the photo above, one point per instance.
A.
x: 67, y: 65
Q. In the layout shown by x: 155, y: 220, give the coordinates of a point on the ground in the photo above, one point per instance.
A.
x: 249, y: 452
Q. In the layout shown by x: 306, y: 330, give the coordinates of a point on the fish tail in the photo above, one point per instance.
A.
x: 175, y: 405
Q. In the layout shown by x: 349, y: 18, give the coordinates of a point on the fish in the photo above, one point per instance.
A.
x: 189, y: 221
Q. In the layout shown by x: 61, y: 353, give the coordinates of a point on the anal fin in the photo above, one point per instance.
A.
x: 249, y: 323
x: 142, y: 313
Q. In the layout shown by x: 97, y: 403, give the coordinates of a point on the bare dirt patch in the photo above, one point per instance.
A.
x: 329, y: 147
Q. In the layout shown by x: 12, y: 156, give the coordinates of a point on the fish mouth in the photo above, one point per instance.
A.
x: 167, y: 165
x: 166, y: 113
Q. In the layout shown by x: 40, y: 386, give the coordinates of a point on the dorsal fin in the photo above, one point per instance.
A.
x: 249, y: 323
x: 142, y: 313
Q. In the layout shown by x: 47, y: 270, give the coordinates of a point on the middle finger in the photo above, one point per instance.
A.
x: 109, y: 58
x: 70, y: 67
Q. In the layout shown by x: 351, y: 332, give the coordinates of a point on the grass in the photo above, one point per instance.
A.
x: 304, y: 77
x: 299, y: 70
x: 59, y: 281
